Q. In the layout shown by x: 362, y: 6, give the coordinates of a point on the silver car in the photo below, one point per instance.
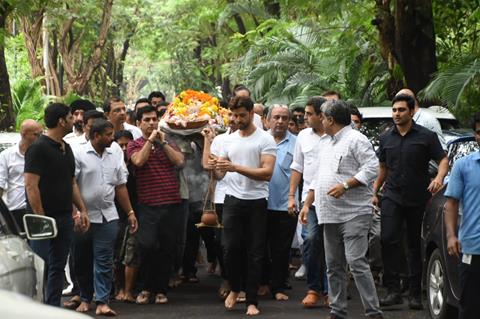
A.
x: 21, y: 270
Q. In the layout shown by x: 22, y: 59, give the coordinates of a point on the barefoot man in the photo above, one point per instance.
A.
x: 249, y: 154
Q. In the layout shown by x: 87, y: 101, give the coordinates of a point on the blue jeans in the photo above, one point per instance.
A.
x: 314, y: 252
x: 55, y: 252
x: 94, y: 261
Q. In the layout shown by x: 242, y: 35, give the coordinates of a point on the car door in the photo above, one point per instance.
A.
x: 17, y: 261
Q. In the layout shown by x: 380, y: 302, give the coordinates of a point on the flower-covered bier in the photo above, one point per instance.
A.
x: 191, y: 107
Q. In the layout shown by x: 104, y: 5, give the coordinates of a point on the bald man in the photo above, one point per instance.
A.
x: 424, y: 118
x: 12, y: 162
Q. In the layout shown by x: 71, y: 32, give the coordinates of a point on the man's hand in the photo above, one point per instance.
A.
x: 302, y: 216
x: 336, y: 191
x: 212, y: 162
x: 376, y: 201
x: 81, y: 222
x: 292, y: 205
x: 132, y: 221
x: 435, y: 185
x: 157, y: 136
x: 454, y: 247
x: 208, y: 134
x: 225, y: 165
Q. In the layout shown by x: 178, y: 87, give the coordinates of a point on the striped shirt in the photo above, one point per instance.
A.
x: 157, y: 180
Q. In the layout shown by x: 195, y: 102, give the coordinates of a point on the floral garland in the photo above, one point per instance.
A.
x: 196, y: 106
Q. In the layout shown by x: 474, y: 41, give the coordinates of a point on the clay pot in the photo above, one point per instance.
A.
x: 209, y: 218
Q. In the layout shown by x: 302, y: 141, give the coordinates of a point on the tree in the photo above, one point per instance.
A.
x: 407, y: 37
x: 7, y: 116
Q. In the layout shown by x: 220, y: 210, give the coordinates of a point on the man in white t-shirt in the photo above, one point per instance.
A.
x: 214, y: 144
x: 12, y: 163
x: 249, y: 155
x: 116, y: 112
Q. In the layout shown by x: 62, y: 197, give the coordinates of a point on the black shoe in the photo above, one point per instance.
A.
x: 392, y: 298
x: 415, y: 303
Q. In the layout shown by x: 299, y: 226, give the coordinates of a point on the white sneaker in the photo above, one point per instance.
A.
x: 301, y: 272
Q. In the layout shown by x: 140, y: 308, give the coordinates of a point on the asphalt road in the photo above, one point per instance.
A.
x: 200, y: 301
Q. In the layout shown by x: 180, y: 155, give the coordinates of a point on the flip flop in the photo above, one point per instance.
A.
x: 161, y: 299
x: 313, y: 300
x: 143, y: 298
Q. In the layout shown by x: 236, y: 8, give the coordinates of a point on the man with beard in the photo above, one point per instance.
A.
x: 101, y: 178
x: 213, y: 144
x: 78, y: 109
x: 249, y: 154
x: 51, y: 190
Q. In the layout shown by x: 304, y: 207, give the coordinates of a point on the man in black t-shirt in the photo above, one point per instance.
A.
x: 51, y: 190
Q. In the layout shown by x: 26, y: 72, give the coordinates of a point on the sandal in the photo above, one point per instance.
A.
x: 143, y: 298
x: 313, y: 299
x: 224, y: 290
x: 161, y: 299
x: 241, y: 298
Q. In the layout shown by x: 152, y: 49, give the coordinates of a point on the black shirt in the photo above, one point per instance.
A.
x: 56, y: 168
x: 406, y: 159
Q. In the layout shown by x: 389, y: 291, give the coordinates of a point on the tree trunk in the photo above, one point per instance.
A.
x: 239, y: 21
x: 415, y: 41
x: 7, y: 115
x: 78, y: 79
x: 32, y: 30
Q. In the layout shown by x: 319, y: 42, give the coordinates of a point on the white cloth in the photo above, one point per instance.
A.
x: 221, y: 186
x: 347, y: 154
x: 424, y: 118
x: 12, y: 164
x: 305, y: 156
x: 97, y: 176
x: 136, y: 132
x: 257, y: 120
x: 247, y: 151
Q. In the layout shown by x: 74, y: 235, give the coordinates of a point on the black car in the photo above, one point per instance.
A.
x: 440, y: 273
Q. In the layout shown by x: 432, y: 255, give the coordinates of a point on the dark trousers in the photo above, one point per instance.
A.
x: 193, y: 240
x: 157, y: 231
x: 280, y: 230
x: 55, y: 252
x: 392, y: 219
x: 218, y: 242
x: 94, y: 261
x: 469, y: 288
x: 244, y: 224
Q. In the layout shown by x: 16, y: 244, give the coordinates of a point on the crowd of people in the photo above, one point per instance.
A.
x: 128, y: 196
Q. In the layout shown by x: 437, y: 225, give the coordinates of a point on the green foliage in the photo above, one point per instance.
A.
x: 28, y: 100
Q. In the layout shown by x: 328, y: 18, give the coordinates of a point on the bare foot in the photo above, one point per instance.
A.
x: 120, y: 296
x: 231, y: 300
x: 242, y: 297
x: 263, y: 290
x: 280, y: 296
x: 83, y: 307
x: 212, y: 268
x: 105, y: 310
x: 252, y: 310
x: 128, y: 297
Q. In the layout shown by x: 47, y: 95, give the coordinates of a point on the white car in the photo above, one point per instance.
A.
x: 17, y: 306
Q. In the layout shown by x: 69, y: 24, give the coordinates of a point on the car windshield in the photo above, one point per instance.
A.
x: 457, y: 150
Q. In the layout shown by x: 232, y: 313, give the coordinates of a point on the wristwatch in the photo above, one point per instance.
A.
x: 345, y: 186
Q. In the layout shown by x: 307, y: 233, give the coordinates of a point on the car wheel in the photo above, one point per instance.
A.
x: 437, y: 286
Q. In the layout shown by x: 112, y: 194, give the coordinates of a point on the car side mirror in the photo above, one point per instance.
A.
x: 39, y: 227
